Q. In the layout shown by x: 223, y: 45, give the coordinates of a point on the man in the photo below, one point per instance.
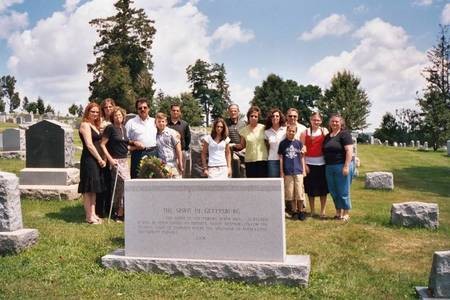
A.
x: 234, y: 125
x: 182, y: 127
x: 169, y: 146
x: 141, y: 132
x: 292, y: 119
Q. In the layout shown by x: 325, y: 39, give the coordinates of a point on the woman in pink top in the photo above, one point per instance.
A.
x: 315, y: 181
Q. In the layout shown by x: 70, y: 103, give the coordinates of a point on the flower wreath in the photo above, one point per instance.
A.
x: 153, y: 167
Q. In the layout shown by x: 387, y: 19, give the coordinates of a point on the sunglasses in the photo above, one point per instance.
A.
x: 143, y: 108
x: 292, y: 116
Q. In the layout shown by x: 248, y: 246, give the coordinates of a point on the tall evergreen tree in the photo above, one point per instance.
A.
x: 435, y: 103
x: 210, y: 87
x: 25, y: 103
x: 8, y: 92
x: 346, y: 98
x: 123, y: 65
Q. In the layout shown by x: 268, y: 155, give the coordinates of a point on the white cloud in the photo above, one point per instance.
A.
x: 71, y: 5
x: 229, y: 34
x: 49, y: 60
x: 4, y: 4
x: 423, y: 2
x: 388, y: 65
x: 254, y: 73
x: 335, y: 25
x: 241, y: 95
x: 12, y: 22
x: 445, y: 16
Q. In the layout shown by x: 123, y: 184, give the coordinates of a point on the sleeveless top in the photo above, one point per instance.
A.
x: 314, y: 154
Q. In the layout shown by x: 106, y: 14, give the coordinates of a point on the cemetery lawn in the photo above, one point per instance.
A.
x: 365, y: 259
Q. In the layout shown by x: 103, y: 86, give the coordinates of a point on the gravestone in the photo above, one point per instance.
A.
x: 379, y: 181
x: 415, y: 214
x: 417, y: 144
x: 378, y: 142
x: 412, y: 143
x: 448, y: 148
x: 217, y: 229
x: 395, y: 144
x: 49, y: 160
x: 13, y: 237
x: 196, y: 152
x: 386, y: 143
x: 372, y: 141
x: 439, y: 279
x: 425, y: 145
x: 28, y: 118
x: 2, y: 118
x: 13, y: 139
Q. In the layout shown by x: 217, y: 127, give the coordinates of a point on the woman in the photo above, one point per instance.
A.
x: 275, y: 132
x: 252, y: 139
x: 91, y: 163
x: 104, y: 199
x: 216, y: 148
x: 315, y: 182
x: 338, y: 152
x: 115, y: 146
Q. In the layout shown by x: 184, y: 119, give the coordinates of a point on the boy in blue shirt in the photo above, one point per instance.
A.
x: 292, y: 169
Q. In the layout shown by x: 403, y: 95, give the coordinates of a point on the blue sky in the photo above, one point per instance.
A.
x: 47, y: 44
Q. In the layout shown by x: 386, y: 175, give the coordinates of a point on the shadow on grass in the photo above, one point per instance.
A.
x: 118, y: 241
x: 69, y: 214
x: 425, y: 179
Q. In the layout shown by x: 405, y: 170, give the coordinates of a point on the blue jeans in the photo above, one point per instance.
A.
x: 273, y: 168
x: 339, y: 185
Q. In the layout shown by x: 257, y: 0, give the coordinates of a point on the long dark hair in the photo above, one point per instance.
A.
x: 269, y: 118
x: 214, y: 133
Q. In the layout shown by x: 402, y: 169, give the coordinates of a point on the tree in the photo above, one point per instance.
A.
x: 346, y: 98
x: 2, y: 105
x: 435, y: 103
x: 389, y: 129
x: 274, y: 92
x: 73, y: 109
x: 80, y: 110
x: 25, y: 103
x: 40, y: 106
x: 32, y: 108
x: 192, y: 112
x: 210, y: 87
x: 7, y: 90
x: 123, y: 64
x: 49, y: 109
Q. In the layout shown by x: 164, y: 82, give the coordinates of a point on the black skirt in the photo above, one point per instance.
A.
x: 316, y: 182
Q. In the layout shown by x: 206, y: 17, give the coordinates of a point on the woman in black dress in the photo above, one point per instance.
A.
x: 91, y: 180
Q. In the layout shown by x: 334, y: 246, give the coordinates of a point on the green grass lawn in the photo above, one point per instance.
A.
x: 365, y: 259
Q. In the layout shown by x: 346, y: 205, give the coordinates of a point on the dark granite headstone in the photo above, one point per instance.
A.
x: 49, y: 144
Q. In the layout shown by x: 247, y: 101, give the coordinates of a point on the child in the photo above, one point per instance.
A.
x: 292, y: 169
x: 169, y: 146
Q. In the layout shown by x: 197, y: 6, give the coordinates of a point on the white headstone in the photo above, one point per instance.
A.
x: 425, y: 145
x: 395, y: 144
x: 386, y: 143
x: 417, y: 144
x: 205, y: 219
x: 372, y: 141
x: 412, y: 143
x: 13, y: 139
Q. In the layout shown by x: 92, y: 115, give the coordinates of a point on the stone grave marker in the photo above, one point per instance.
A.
x: 415, y: 214
x: 439, y: 280
x: 13, y: 237
x: 372, y: 141
x: 379, y: 180
x: 386, y: 143
x: 13, y: 139
x: 412, y: 143
x: 218, y: 229
x: 395, y: 144
x: 28, y: 118
x: 49, y: 160
x: 448, y: 148
x: 2, y: 118
x: 417, y: 144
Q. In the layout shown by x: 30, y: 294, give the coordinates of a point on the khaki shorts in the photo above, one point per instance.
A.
x: 293, y: 188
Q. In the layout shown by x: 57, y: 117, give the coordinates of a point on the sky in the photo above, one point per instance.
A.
x: 46, y: 45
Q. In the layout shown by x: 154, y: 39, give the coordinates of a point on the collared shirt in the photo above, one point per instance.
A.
x: 274, y: 137
x: 142, y: 131
x: 233, y: 130
x: 167, y: 142
x: 185, y: 132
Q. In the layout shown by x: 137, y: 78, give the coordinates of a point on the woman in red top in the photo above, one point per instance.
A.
x: 315, y: 181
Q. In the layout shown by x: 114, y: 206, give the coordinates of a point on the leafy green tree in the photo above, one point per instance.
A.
x: 163, y: 103
x: 25, y: 102
x: 7, y: 90
x: 40, y: 106
x: 80, y: 110
x: 32, y: 108
x: 49, y: 109
x: 2, y: 105
x: 73, y: 109
x: 123, y: 64
x: 275, y: 92
x: 435, y: 103
x: 389, y: 129
x: 346, y: 98
x: 210, y: 87
x: 191, y: 110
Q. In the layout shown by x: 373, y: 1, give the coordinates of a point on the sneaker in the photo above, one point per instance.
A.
x: 302, y: 216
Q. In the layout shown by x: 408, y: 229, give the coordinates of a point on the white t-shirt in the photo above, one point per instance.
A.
x: 142, y: 131
x: 274, y: 138
x: 216, y: 151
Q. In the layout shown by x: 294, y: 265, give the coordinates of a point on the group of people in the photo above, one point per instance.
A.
x: 312, y: 161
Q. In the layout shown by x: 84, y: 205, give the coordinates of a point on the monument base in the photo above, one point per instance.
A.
x: 424, y: 293
x: 12, y: 155
x: 49, y: 176
x: 48, y: 192
x: 12, y: 242
x: 294, y: 271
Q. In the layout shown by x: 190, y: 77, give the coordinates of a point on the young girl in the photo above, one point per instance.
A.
x: 216, y: 148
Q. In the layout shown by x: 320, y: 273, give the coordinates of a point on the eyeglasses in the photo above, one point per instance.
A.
x: 143, y: 108
x: 292, y: 116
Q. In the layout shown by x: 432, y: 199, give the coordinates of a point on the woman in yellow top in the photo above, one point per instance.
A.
x: 252, y: 139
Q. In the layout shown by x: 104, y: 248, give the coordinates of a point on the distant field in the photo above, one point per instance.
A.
x: 365, y: 259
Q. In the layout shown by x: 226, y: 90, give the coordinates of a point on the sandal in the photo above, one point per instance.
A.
x: 322, y: 217
x: 337, y: 217
x: 345, y: 218
x: 94, y: 222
